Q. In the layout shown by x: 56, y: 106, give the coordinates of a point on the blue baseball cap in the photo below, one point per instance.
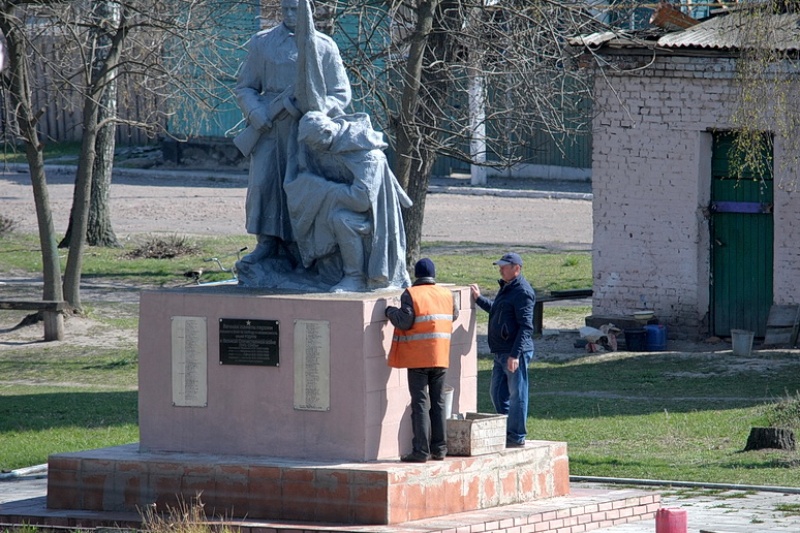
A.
x: 509, y: 259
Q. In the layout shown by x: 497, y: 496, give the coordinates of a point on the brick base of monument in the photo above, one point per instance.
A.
x: 124, y: 479
x: 585, y: 509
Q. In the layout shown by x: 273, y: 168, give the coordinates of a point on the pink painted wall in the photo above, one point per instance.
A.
x: 250, y: 409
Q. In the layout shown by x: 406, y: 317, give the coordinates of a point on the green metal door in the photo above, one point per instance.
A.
x: 741, y: 243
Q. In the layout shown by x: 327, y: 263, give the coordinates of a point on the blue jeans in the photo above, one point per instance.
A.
x: 509, y: 392
x: 426, y: 386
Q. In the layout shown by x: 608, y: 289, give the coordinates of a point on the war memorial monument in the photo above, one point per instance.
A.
x: 271, y: 400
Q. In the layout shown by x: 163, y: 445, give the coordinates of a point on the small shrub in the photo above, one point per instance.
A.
x: 185, y: 518
x: 785, y: 413
x: 6, y: 225
x: 160, y: 247
x: 571, y: 261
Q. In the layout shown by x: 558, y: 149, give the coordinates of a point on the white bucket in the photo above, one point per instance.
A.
x: 742, y: 341
x: 448, y: 400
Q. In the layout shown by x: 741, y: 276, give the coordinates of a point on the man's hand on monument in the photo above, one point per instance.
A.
x: 475, y: 291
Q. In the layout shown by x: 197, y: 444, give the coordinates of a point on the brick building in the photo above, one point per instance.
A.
x: 671, y: 233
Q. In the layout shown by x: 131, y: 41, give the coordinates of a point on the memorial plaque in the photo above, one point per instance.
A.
x: 189, y: 361
x: 312, y: 365
x: 248, y: 342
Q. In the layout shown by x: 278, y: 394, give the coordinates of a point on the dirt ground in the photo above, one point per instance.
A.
x: 212, y: 202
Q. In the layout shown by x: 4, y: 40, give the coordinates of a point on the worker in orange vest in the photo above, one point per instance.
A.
x: 421, y: 343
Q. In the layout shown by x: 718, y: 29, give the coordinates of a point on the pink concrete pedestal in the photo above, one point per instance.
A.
x: 250, y: 409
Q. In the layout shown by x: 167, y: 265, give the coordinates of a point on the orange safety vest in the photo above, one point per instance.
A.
x: 427, y: 343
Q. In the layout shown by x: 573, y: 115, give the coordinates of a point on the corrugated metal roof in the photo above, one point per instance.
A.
x: 739, y: 30
x: 733, y: 31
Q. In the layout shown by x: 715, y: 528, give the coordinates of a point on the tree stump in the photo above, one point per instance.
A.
x: 779, y: 438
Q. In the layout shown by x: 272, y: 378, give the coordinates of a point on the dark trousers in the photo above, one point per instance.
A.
x: 426, y: 386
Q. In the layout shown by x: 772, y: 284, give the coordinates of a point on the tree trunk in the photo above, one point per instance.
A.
x: 99, y: 231
x: 108, y: 47
x: 80, y: 205
x: 414, y: 215
x: 414, y: 161
x: 408, y: 136
x: 22, y: 101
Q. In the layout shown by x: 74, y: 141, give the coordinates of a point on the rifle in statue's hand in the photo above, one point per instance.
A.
x: 246, y: 140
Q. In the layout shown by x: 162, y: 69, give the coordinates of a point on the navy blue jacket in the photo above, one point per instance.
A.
x: 510, y: 317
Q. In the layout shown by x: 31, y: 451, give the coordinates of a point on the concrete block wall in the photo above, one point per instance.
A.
x: 651, y: 182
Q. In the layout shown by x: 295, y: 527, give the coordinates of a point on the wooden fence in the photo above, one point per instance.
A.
x: 59, y: 101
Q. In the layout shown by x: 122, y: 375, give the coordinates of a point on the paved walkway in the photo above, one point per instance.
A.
x: 726, y: 511
x: 707, y: 510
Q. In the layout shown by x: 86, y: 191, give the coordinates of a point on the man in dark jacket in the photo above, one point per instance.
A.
x: 421, y: 343
x: 511, y: 342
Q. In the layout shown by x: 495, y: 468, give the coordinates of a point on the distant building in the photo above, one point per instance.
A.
x: 673, y: 230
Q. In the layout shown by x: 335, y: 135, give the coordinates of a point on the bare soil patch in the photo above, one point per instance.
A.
x: 211, y: 202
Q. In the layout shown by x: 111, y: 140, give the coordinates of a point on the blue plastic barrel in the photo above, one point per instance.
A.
x: 656, y: 337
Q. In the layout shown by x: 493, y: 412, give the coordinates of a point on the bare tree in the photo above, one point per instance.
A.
x: 105, y: 18
x: 22, y: 103
x: 101, y: 67
x: 174, y: 51
x: 468, y: 79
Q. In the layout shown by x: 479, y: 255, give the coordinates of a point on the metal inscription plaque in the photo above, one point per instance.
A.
x: 189, y: 361
x: 312, y: 365
x: 246, y: 341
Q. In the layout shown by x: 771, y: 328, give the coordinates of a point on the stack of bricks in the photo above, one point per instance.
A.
x: 476, y: 434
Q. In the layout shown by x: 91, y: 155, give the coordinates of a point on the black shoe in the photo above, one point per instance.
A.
x: 515, y: 444
x: 438, y: 456
x: 414, y: 458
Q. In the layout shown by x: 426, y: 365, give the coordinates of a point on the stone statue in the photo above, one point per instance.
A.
x: 345, y: 205
x: 321, y: 198
x: 265, y: 92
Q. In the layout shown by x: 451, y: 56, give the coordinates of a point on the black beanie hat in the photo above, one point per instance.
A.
x: 424, y: 269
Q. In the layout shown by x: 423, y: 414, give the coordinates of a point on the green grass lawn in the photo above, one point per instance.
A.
x: 550, y: 271
x: 666, y: 416
x: 678, y: 416
x: 61, y: 400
